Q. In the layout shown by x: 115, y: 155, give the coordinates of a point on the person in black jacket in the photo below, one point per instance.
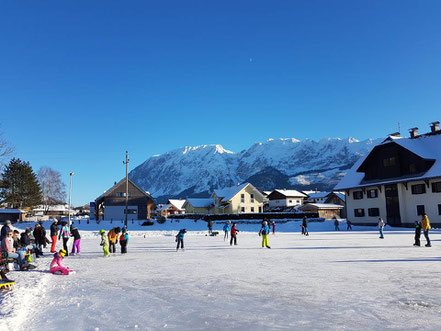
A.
x: 77, y: 239
x: 40, y: 238
x: 305, y: 226
x: 417, y: 233
x: 54, y: 234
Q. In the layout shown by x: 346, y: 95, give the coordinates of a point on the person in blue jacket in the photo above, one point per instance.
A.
x: 180, y: 239
x: 227, y: 228
x: 264, y: 231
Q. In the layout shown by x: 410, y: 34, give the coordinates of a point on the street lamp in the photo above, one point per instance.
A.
x: 126, y: 162
x: 70, y: 194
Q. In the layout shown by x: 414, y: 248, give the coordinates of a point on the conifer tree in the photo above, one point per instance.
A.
x: 19, y: 185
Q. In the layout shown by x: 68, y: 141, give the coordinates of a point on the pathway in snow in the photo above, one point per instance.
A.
x: 329, y: 280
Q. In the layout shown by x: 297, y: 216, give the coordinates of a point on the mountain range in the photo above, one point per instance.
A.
x: 277, y: 163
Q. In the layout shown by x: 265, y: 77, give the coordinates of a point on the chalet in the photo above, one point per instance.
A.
x: 198, y: 206
x: 399, y: 180
x: 316, y: 196
x: 172, y: 207
x: 324, y: 210
x: 338, y: 198
x: 111, y: 204
x: 285, y: 198
x: 13, y: 215
x: 53, y: 210
x: 243, y: 198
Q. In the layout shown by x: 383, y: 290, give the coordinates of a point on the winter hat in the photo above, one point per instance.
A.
x: 264, y: 222
x: 62, y: 252
x: 102, y: 231
x: 8, y: 222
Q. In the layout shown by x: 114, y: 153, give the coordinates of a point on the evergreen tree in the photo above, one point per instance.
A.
x: 19, y: 185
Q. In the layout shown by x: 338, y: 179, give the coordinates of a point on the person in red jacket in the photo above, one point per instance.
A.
x: 234, y: 232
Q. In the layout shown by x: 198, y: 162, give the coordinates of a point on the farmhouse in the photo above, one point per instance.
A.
x: 399, y: 180
x: 285, y: 198
x: 239, y: 199
x: 111, y: 204
x: 172, y: 207
x: 198, y: 205
x: 324, y: 210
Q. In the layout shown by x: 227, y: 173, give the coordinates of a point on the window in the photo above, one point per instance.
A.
x: 372, y: 193
x: 358, y: 195
x: 298, y: 201
x: 121, y: 194
x: 290, y: 201
x: 374, y: 212
x: 439, y: 209
x: 252, y: 209
x: 420, y: 210
x: 242, y: 198
x: 252, y: 198
x: 359, y: 212
x: 418, y: 189
x: 242, y: 209
x: 390, y: 162
x: 436, y: 187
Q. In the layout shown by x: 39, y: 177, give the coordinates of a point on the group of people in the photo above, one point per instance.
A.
x: 110, y: 240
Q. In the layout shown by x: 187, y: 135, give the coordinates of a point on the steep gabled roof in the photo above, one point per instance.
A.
x: 178, y: 203
x: 290, y: 193
x: 427, y: 147
x: 230, y: 192
x: 200, y: 202
x: 113, y: 188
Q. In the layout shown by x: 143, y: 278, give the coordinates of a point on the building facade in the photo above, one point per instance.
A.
x: 399, y: 180
x: 285, y: 198
x: 239, y: 199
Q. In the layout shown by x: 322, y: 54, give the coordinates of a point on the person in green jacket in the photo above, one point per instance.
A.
x: 104, y: 242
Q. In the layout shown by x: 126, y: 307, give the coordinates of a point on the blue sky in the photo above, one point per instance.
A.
x: 83, y: 81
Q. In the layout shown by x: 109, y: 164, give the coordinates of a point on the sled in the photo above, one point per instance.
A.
x: 7, y: 286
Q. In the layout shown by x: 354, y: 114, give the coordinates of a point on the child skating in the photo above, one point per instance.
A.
x: 124, y: 240
x: 77, y: 240
x: 180, y: 239
x: 57, y: 267
x: 234, y: 232
x: 417, y: 233
x: 104, y: 242
x: 264, y: 231
x: 227, y: 228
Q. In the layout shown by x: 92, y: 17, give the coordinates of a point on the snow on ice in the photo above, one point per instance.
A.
x: 329, y: 280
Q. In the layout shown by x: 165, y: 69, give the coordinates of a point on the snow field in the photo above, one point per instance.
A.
x: 329, y: 280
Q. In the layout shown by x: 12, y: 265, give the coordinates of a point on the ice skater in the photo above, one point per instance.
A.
x: 305, y: 226
x: 180, y: 239
x: 227, y: 228
x: 57, y: 267
x: 417, y: 233
x: 336, y: 224
x: 233, y: 233
x: 210, y: 227
x: 124, y: 240
x: 65, y: 234
x: 274, y: 227
x: 425, y: 224
x: 264, y: 231
x: 381, y: 225
x: 349, y: 225
x: 77, y: 240
x: 113, y: 239
x: 104, y: 242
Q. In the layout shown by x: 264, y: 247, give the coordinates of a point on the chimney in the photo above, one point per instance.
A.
x: 434, y: 126
x: 413, y: 132
x: 395, y: 134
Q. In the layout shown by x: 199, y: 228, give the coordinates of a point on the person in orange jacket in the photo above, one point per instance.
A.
x: 425, y: 224
x: 113, y: 239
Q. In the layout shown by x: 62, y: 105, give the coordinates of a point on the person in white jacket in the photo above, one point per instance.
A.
x: 381, y: 225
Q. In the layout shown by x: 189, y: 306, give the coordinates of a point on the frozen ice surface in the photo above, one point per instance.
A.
x: 328, y: 281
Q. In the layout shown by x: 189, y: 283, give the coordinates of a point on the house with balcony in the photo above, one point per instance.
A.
x: 244, y: 198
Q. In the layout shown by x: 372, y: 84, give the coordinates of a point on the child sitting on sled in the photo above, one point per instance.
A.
x: 57, y: 267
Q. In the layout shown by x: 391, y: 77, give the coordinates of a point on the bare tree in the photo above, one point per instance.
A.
x: 5, y: 151
x: 52, y: 187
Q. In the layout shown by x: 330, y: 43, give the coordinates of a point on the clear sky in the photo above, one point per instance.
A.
x: 83, y: 81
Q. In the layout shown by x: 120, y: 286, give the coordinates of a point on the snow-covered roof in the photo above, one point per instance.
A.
x: 340, y: 195
x: 427, y: 147
x: 318, y: 195
x: 11, y: 211
x: 178, y: 203
x: 291, y: 193
x: 228, y: 193
x: 163, y: 207
x: 322, y: 206
x: 200, y: 202
x: 52, y: 208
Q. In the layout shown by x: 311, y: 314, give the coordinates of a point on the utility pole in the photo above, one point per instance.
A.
x: 126, y: 162
x: 70, y: 195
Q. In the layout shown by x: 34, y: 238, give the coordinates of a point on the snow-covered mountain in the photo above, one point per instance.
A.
x: 281, y: 163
